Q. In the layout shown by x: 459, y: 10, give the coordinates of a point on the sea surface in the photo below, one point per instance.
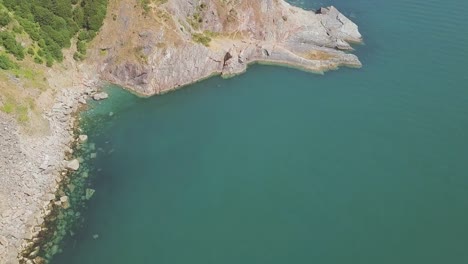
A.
x: 278, y: 166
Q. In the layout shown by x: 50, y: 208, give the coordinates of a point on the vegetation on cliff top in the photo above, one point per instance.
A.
x: 33, y: 34
x: 42, y: 28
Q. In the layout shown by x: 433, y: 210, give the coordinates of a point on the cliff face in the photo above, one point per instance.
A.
x: 168, y: 44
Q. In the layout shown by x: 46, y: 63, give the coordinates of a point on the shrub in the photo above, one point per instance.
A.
x: 6, y: 63
x: 81, y: 47
x: 201, y: 38
x: 38, y: 60
x: 5, y: 19
x: 78, y: 56
x: 8, y: 41
x: 52, y: 24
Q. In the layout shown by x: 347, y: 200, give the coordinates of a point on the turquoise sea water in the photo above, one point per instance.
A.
x: 281, y: 166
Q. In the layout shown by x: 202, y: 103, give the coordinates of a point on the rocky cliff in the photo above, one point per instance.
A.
x: 167, y: 44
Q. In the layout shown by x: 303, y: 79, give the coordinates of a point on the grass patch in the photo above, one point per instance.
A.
x: 19, y: 110
x: 205, y: 37
x: 319, y: 55
x: 8, y: 107
x: 201, y: 38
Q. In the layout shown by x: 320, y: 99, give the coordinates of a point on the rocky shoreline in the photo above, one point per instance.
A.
x: 32, y: 168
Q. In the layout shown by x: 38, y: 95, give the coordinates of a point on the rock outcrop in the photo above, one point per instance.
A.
x: 182, y: 41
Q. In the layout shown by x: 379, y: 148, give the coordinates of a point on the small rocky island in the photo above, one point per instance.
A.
x: 151, y: 49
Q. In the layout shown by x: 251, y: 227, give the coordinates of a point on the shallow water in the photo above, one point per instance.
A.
x: 282, y: 166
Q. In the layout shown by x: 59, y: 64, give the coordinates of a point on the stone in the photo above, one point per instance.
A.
x: 68, y: 150
x: 54, y: 250
x: 39, y: 260
x: 73, y: 165
x: 82, y: 101
x: 89, y: 193
x: 85, y: 174
x: 100, y: 96
x: 3, y: 241
x: 34, y: 253
x: 45, y: 163
x: 65, y: 202
x: 83, y: 138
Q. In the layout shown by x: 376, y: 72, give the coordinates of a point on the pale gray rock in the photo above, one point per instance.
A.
x: 65, y: 202
x: 100, y: 96
x: 83, y: 138
x: 82, y: 101
x: 73, y: 165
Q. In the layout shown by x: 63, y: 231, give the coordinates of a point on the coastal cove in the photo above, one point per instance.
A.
x: 171, y: 210
x: 42, y: 177
x: 279, y: 165
x: 362, y: 164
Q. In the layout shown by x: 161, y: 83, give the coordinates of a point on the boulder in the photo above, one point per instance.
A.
x: 83, y: 138
x: 82, y: 101
x: 73, y: 165
x: 39, y: 260
x: 65, y: 202
x: 100, y: 96
x: 89, y: 193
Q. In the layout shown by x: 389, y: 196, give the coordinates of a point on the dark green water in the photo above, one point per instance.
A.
x: 281, y: 166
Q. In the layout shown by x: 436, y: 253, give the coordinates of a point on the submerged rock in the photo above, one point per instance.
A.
x: 89, y: 193
x: 65, y: 202
x: 39, y: 260
x: 83, y: 138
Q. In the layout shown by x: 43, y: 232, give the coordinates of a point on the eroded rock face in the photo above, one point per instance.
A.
x: 182, y: 41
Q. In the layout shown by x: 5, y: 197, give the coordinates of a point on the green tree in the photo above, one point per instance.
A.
x: 5, y: 19
x: 6, y: 63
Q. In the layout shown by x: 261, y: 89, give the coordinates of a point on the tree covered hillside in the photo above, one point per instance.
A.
x: 42, y: 28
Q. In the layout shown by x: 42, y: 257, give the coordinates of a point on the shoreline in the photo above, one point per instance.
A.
x: 35, y: 165
x: 266, y: 62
